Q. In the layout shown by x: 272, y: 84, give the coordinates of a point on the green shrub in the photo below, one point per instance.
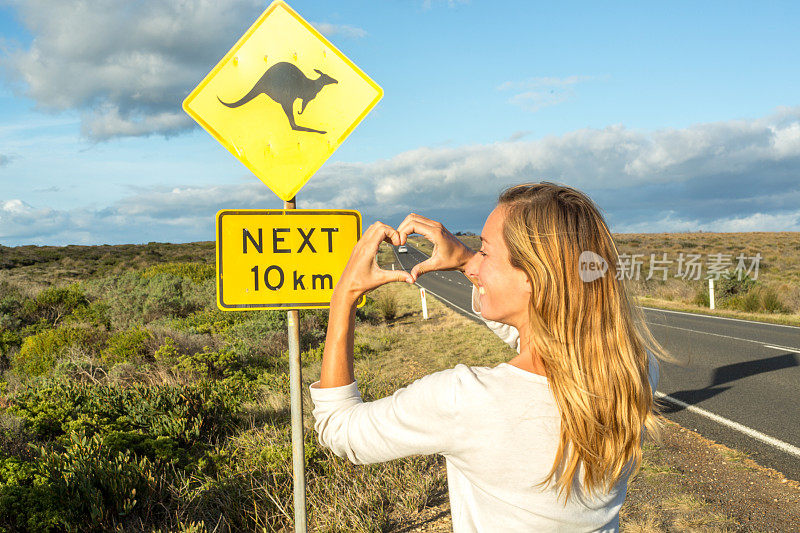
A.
x: 702, y: 298
x: 210, y: 363
x: 728, y: 286
x: 168, y: 351
x: 39, y: 352
x: 97, y: 314
x: 369, y: 312
x: 313, y: 327
x: 99, y: 484
x: 27, y: 500
x: 126, y: 346
x: 261, y: 338
x: 748, y: 302
x: 197, y: 272
x: 166, y: 296
x: 209, y: 321
x: 134, y: 299
x: 10, y: 307
x: 190, y: 414
x: 53, y: 304
x: 275, y: 382
x: 85, y: 487
x: 254, y: 325
x: 313, y: 354
x: 8, y: 339
x: 758, y: 299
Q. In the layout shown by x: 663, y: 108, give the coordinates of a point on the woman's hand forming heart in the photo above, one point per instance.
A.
x: 362, y: 273
x: 449, y: 253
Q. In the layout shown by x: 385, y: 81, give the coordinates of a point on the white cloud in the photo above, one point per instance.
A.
x: 789, y: 221
x: 4, y: 160
x: 329, y: 30
x: 127, y: 66
x: 737, y: 175
x: 107, y: 122
x: 538, y: 93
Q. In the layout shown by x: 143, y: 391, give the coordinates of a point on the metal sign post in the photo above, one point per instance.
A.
x: 296, y: 406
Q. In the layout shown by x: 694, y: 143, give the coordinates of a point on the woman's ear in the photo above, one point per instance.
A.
x: 528, y: 286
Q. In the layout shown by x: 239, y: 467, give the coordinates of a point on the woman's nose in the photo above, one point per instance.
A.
x: 471, y: 268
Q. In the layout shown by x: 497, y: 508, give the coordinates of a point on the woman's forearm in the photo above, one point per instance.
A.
x: 337, y: 358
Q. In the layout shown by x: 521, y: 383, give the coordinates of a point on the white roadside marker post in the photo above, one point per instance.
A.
x: 711, y: 292
x: 424, y: 304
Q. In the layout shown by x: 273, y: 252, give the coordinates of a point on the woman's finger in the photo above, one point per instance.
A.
x: 380, y: 232
x: 419, y: 269
x: 417, y: 224
x: 388, y: 276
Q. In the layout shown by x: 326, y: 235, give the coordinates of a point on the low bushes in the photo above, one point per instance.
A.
x: 126, y: 346
x: 87, y: 486
x: 134, y: 299
x: 40, y: 351
x: 743, y: 294
x: 109, y: 452
x: 197, y: 272
x: 53, y: 304
x: 47, y: 309
x: 194, y: 413
x: 758, y: 299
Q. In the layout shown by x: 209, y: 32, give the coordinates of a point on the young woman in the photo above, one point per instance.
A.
x: 546, y: 441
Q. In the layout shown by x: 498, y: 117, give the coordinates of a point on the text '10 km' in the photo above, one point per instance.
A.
x: 282, y: 258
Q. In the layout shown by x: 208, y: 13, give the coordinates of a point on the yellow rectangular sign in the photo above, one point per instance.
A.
x: 282, y: 259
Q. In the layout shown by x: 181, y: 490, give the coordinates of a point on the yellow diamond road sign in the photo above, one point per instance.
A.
x: 282, y: 259
x: 282, y: 99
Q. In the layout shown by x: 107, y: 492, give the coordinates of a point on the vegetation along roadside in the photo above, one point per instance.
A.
x: 129, y: 403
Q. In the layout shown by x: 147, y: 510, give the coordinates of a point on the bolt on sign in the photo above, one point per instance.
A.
x: 282, y: 99
x: 282, y: 259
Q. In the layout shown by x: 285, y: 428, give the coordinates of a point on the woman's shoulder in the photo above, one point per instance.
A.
x: 481, y: 383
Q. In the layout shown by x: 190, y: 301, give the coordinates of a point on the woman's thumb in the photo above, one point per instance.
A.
x: 397, y: 275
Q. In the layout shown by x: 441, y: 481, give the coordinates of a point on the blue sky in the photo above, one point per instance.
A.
x: 678, y: 116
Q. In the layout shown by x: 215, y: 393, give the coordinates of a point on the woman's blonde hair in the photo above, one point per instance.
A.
x: 591, y: 339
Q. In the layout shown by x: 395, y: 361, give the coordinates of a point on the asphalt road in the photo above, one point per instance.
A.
x: 739, y: 385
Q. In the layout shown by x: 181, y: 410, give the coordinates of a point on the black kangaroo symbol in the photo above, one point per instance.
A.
x: 285, y: 83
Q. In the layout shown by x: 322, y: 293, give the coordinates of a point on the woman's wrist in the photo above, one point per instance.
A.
x: 344, y: 298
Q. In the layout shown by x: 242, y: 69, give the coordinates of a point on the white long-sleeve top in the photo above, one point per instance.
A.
x: 498, y: 429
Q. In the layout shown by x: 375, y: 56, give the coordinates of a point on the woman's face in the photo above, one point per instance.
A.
x: 504, y: 290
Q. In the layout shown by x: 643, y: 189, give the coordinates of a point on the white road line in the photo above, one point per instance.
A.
x: 782, y: 348
x: 708, y: 333
x: 720, y: 317
x: 750, y: 432
x: 762, y: 343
